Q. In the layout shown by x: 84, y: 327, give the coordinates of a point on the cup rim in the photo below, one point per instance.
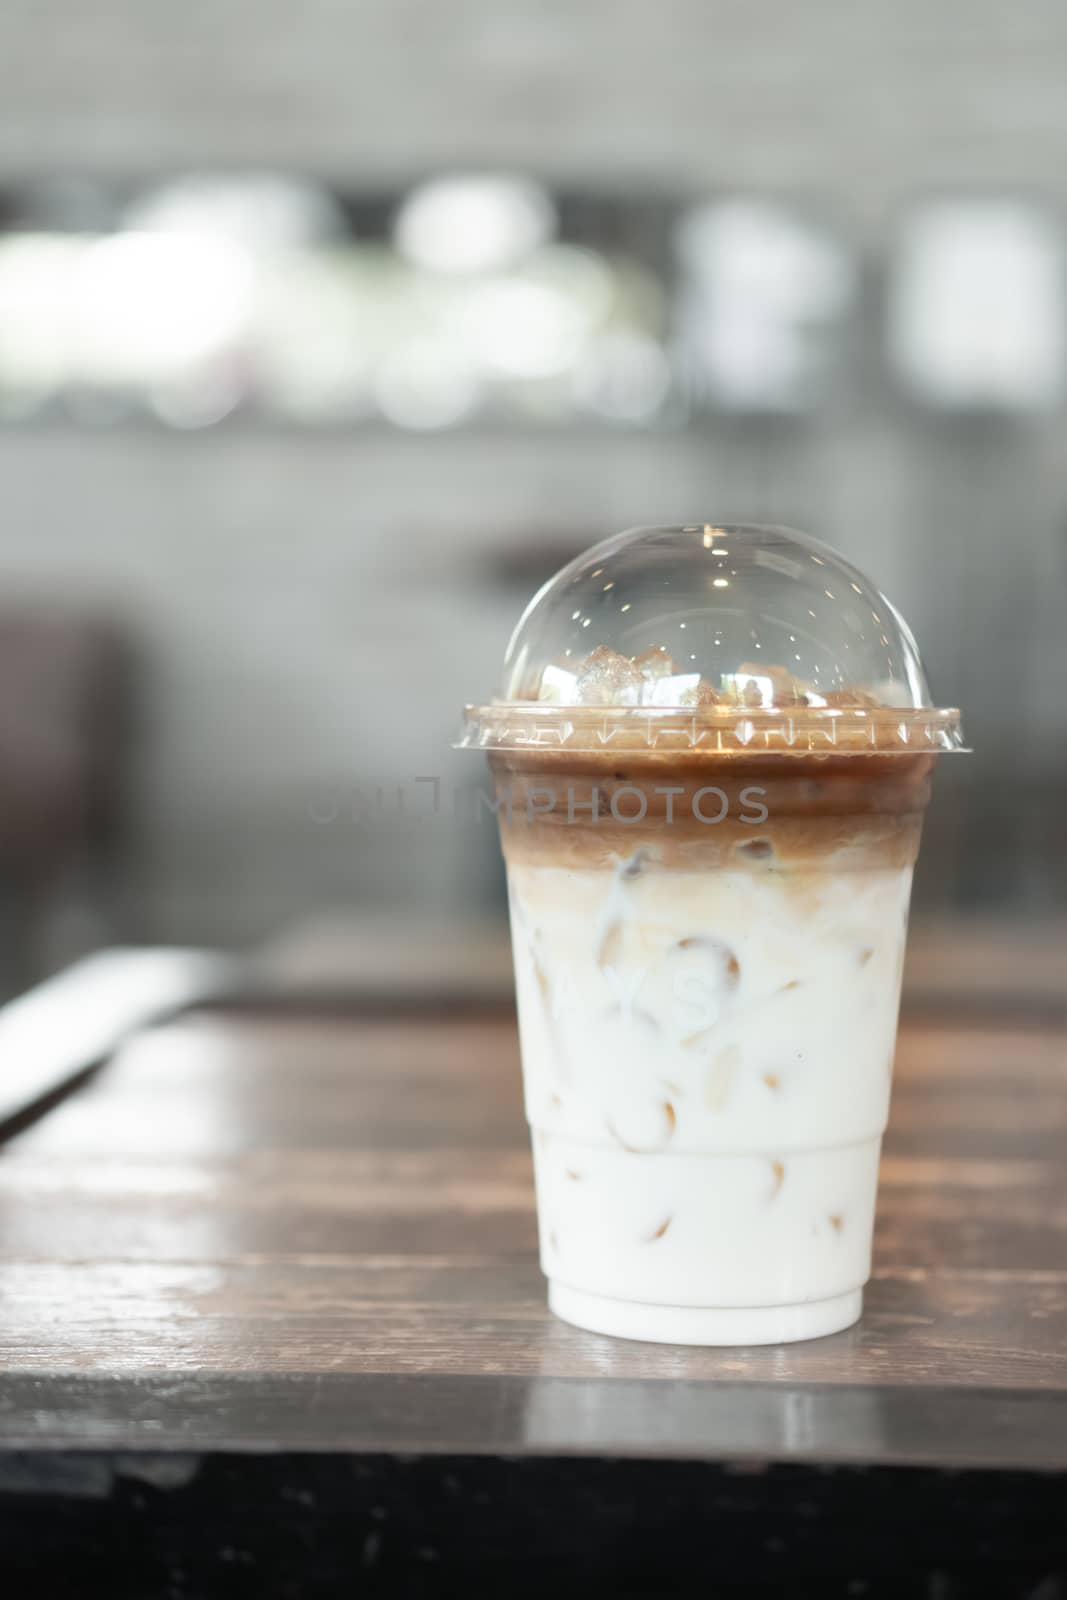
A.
x: 713, y: 731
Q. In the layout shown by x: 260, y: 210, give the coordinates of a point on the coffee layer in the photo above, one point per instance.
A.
x: 685, y: 813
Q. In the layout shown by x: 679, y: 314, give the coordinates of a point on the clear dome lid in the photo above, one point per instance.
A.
x: 724, y: 638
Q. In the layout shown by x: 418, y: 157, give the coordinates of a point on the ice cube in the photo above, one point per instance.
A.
x: 680, y: 689
x: 655, y: 663
x: 764, y: 684
x: 557, y: 685
x: 664, y: 685
x: 706, y: 695
x: 786, y: 688
x: 755, y: 692
x: 606, y: 678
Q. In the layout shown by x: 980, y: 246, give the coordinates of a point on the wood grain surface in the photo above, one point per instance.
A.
x: 344, y: 1207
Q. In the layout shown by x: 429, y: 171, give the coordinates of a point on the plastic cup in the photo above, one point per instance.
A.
x: 710, y: 762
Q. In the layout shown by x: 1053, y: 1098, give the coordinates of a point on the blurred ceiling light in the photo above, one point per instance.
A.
x: 761, y: 289
x: 318, y: 328
x: 37, y: 272
x: 976, y: 313
x: 584, y: 276
x: 150, y: 305
x: 259, y: 212
x: 196, y: 400
x: 426, y: 385
x: 623, y: 377
x: 474, y: 223
x: 522, y: 329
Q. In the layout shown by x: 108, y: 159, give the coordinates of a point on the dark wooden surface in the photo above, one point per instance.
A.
x: 323, y: 1230
x: 271, y: 1326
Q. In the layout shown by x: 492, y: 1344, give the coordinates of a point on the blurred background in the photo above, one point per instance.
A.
x: 326, y: 335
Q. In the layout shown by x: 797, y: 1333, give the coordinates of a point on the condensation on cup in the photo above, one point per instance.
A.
x: 710, y: 758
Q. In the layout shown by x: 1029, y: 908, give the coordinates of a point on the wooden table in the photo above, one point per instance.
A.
x: 271, y: 1322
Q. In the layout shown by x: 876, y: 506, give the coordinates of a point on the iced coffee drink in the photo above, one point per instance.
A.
x: 710, y: 766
